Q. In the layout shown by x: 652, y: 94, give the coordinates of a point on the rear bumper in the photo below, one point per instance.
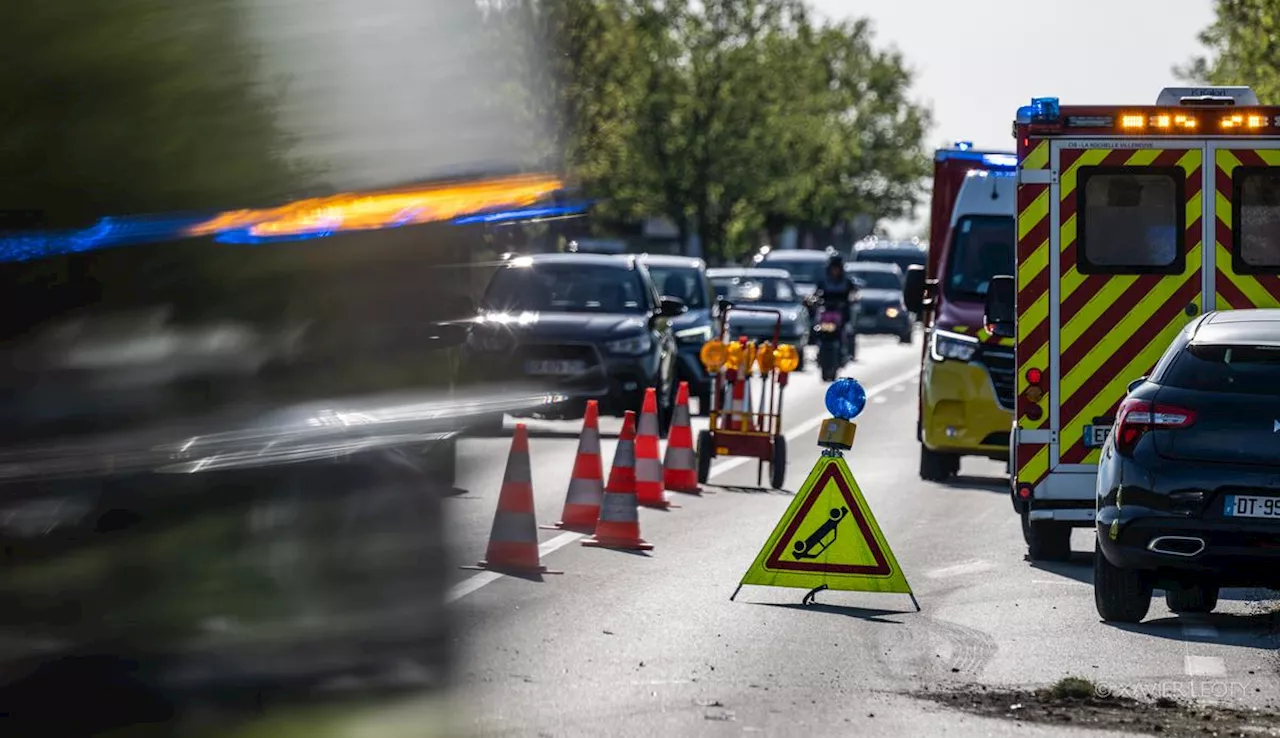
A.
x: 1234, y: 554
x: 960, y: 411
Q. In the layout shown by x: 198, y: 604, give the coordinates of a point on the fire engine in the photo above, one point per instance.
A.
x: 1131, y: 221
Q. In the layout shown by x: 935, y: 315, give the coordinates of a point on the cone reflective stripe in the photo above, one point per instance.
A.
x: 619, y: 524
x: 678, y: 471
x: 649, y: 489
x: 586, y: 486
x: 738, y: 409
x: 513, y: 540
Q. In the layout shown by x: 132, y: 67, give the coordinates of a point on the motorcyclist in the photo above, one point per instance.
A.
x: 837, y: 291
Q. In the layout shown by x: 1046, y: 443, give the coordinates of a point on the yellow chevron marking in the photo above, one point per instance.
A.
x: 1036, y: 467
x: 1038, y: 158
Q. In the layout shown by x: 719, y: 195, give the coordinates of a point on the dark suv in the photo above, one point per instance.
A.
x: 579, y: 326
x: 1189, y: 483
x: 685, y: 278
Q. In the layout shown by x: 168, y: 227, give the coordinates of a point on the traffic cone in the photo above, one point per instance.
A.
x: 513, y: 541
x: 586, y: 486
x: 649, y: 491
x: 619, y: 524
x: 678, y: 471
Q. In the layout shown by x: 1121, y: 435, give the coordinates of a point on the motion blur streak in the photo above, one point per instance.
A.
x: 357, y: 212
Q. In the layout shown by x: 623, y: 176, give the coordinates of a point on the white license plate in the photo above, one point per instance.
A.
x: 1247, y: 506
x: 1095, y: 436
x: 554, y: 367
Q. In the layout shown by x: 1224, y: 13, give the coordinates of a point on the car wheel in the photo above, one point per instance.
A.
x: 704, y: 456
x: 1200, y: 598
x: 704, y: 401
x: 937, y: 467
x: 440, y: 461
x: 1026, y: 526
x: 905, y: 336
x: 1121, y: 595
x: 1048, y: 540
x: 778, y: 464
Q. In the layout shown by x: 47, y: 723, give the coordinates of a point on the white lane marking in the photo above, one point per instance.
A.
x: 1204, y: 666
x: 1197, y: 627
x: 809, y: 425
x: 473, y: 583
x: 879, y: 400
x: 958, y: 570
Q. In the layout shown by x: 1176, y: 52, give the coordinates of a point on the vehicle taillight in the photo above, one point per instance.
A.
x: 1136, y: 417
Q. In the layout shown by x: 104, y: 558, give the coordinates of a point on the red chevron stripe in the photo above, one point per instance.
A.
x: 1222, y: 181
x: 1067, y: 157
x: 1230, y: 292
x: 1132, y: 346
x: 1116, y: 158
x: 1195, y: 183
x: 1270, y: 283
x: 1034, y: 289
x: 1123, y: 305
x: 1224, y: 235
x: 1067, y: 207
x: 1249, y: 158
x: 1024, y: 453
x: 1038, y: 234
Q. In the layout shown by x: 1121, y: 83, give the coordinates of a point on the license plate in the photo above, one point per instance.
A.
x: 1096, y: 435
x: 1246, y: 506
x: 554, y: 367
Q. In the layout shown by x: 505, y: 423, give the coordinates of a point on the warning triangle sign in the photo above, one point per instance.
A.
x: 828, y: 537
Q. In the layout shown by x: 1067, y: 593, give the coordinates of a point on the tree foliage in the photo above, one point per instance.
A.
x: 1243, y: 47
x: 730, y: 117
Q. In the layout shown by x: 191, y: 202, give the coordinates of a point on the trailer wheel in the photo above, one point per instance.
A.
x: 704, y: 456
x: 778, y: 465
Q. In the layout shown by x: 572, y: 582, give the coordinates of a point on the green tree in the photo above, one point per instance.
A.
x: 1242, y: 48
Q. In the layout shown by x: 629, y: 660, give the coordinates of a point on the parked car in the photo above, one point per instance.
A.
x: 685, y: 278
x: 767, y: 289
x: 882, y: 309
x: 1188, y: 487
x: 580, y: 326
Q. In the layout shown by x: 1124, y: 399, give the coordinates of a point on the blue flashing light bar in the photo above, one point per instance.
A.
x: 524, y: 214
x: 964, y: 145
x: 105, y: 234
x: 1041, y: 110
x: 992, y: 161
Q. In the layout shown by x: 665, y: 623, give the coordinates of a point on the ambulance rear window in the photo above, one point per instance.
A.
x: 1257, y: 220
x: 1129, y: 220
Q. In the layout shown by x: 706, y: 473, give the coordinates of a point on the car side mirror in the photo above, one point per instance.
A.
x: 1135, y: 384
x: 1000, y: 312
x: 913, y: 289
x: 670, y: 307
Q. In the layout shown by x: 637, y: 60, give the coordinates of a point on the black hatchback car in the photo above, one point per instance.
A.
x: 579, y: 326
x: 1189, y: 481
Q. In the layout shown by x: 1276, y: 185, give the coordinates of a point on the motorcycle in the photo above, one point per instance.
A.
x: 833, y: 346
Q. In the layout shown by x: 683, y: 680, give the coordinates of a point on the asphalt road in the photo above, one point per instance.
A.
x: 627, y: 644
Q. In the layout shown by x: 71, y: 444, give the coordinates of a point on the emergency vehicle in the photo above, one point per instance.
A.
x: 1132, y: 220
x: 966, y: 393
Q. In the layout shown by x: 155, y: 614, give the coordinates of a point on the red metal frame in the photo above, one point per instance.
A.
x: 753, y: 433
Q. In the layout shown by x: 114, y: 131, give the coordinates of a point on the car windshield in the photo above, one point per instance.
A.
x: 807, y: 271
x: 1248, y: 370
x: 755, y: 289
x: 902, y: 260
x: 877, y: 280
x: 983, y: 248
x: 681, y: 282
x: 567, y: 287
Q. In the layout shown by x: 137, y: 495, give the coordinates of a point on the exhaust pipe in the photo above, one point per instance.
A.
x: 1176, y: 545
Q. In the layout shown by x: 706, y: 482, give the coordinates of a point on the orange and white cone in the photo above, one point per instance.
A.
x: 586, y: 486
x: 678, y: 471
x: 649, y: 489
x: 619, y: 524
x: 513, y: 541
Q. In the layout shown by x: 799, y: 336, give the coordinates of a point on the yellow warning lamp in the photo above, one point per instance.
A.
x: 714, y: 355
x: 1033, y: 394
x: 788, y: 359
x: 735, y: 353
x: 1133, y: 122
x: 765, y: 358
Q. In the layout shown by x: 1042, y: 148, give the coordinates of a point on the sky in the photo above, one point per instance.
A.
x: 977, y: 61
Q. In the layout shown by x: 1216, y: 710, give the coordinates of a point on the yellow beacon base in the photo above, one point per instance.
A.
x: 837, y: 433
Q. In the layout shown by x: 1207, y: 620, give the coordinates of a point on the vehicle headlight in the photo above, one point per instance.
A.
x: 947, y: 345
x: 630, y: 346
x: 892, y: 312
x: 699, y: 335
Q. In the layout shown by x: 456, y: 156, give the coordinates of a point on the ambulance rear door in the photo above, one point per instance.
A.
x: 1244, y: 223
x: 1125, y: 274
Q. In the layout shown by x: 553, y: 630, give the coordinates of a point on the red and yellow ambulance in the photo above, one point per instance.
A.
x: 1131, y: 221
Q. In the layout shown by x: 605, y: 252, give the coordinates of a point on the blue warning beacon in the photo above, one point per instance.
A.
x: 845, y: 400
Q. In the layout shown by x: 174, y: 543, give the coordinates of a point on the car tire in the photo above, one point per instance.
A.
x: 705, y: 456
x: 1198, y: 598
x: 1026, y: 525
x: 704, y: 401
x: 905, y: 336
x: 1048, y: 540
x: 778, y: 464
x: 936, y: 466
x: 440, y: 462
x: 1120, y: 595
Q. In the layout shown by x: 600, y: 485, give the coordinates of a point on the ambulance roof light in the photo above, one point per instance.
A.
x: 995, y: 161
x: 1041, y: 110
x: 1234, y: 95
